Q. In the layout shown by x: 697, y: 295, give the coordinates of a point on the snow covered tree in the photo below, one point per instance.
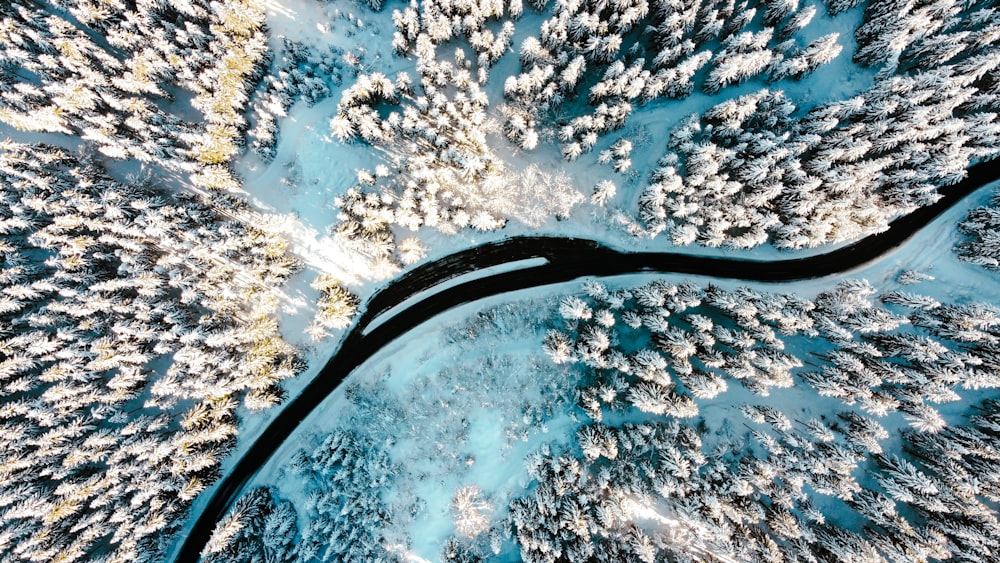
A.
x: 604, y: 191
x: 982, y: 244
x: 258, y: 525
x: 470, y: 511
x: 156, y: 278
x: 337, y: 306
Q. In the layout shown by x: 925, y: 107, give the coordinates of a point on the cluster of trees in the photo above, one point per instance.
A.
x: 748, y: 171
x: 108, y: 74
x: 119, y: 77
x: 439, y: 137
x: 479, y: 22
x: 652, y: 490
x: 134, y: 324
x: 603, y: 508
x: 342, y: 476
x: 906, y: 37
x: 347, y: 517
x: 650, y: 50
x: 401, y: 447
x: 336, y: 307
x: 261, y: 528
x: 903, y: 356
x: 951, y: 474
x: 661, y: 494
x: 618, y: 154
x: 297, y: 72
x: 444, y: 173
x: 223, y: 90
x: 699, y: 336
x: 645, y: 480
x: 904, y: 361
x: 58, y: 78
x: 718, y: 183
x: 447, y: 177
x: 982, y: 230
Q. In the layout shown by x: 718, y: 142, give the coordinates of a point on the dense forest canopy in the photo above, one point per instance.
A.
x: 150, y: 294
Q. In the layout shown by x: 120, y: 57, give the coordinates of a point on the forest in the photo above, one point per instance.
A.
x: 138, y: 319
x: 865, y: 429
x: 199, y: 196
x: 754, y: 169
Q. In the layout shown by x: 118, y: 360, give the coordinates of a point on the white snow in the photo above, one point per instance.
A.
x: 435, y: 371
x: 434, y: 365
x: 311, y: 168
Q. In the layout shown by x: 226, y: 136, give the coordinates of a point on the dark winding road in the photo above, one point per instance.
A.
x: 568, y: 259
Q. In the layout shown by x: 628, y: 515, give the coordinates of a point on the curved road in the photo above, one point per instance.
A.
x: 568, y: 259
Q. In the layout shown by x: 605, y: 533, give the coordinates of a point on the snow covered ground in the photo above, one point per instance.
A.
x: 478, y: 394
x: 365, y: 156
x: 298, y: 187
x: 474, y: 382
x: 312, y: 168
